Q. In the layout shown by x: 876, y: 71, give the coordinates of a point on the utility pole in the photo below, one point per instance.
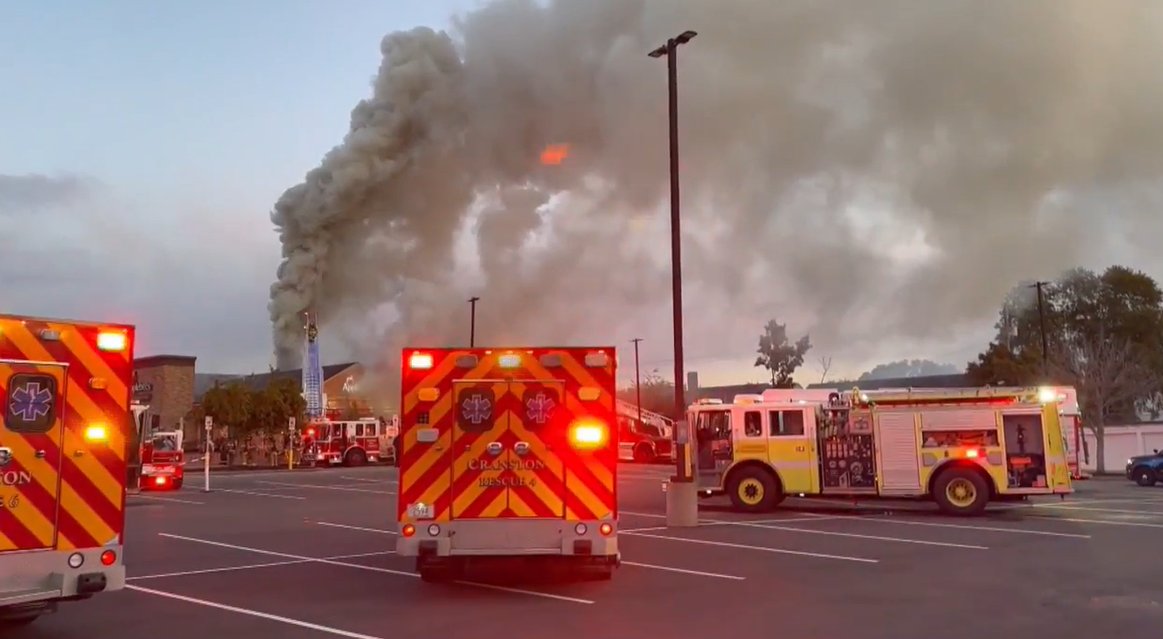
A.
x: 472, y: 325
x: 1042, y: 327
x: 637, y: 379
x: 682, y: 498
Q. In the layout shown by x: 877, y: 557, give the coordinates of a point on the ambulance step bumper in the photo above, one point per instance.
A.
x: 509, y: 538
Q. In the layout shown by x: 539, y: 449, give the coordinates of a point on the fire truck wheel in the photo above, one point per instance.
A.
x: 178, y: 483
x: 961, y: 491
x: 643, y: 453
x: 753, y: 490
x: 355, y: 457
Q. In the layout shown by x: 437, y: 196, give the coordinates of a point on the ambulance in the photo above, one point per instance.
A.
x: 64, y: 434
x: 961, y: 448
x: 508, y: 453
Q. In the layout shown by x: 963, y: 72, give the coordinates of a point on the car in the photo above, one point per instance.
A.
x: 1145, y: 470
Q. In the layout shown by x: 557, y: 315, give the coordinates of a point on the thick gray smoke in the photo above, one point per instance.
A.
x: 858, y: 169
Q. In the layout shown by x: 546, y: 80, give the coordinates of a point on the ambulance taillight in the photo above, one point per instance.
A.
x: 588, y: 434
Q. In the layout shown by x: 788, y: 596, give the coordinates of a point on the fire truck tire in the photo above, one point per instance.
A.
x: 643, y: 453
x: 355, y: 457
x: 178, y: 483
x: 753, y: 489
x: 961, y: 491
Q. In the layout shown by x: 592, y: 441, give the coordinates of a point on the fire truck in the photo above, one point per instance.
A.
x: 349, y: 442
x: 63, y: 440
x: 959, y: 448
x: 163, y: 464
x: 508, y: 453
x: 644, y: 436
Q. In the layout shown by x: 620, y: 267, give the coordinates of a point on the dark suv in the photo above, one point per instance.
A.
x: 1145, y: 470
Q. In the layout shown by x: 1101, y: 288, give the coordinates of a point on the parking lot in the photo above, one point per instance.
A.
x: 309, y: 554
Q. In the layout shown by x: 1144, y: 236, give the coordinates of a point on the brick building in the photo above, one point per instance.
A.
x: 165, y: 383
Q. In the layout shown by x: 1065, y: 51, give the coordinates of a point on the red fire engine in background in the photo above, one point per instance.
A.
x: 350, y: 442
x: 162, y: 461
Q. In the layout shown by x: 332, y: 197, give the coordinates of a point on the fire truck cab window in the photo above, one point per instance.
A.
x: 715, y: 424
x: 165, y: 444
x: 752, y: 424
x: 359, y: 430
x: 787, y: 423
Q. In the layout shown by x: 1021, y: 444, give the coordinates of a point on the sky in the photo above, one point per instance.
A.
x: 166, y: 132
x: 143, y: 147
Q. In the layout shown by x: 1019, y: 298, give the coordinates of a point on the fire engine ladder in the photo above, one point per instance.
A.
x: 662, y: 422
x: 312, y: 374
x: 942, y: 395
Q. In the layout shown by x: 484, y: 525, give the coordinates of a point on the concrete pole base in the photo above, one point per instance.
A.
x: 682, y: 504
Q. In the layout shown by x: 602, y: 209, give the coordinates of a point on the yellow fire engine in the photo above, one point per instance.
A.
x: 959, y: 448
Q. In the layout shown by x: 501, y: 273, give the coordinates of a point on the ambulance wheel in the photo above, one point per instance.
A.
x: 961, y: 491
x: 603, y: 572
x: 355, y: 457
x: 753, y: 490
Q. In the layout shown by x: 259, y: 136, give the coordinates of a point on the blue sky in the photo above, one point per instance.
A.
x: 185, y: 122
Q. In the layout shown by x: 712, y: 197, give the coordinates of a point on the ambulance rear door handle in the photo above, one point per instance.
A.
x: 495, y: 448
x: 521, y: 448
x: 40, y: 454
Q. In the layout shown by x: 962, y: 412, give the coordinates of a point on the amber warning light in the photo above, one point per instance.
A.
x: 588, y: 434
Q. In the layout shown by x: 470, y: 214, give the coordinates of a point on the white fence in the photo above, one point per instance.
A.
x: 1122, y: 442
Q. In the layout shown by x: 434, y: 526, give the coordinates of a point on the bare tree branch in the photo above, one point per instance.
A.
x: 825, y: 366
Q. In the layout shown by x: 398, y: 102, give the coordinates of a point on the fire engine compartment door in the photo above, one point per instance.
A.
x: 30, y: 459
x: 503, y: 462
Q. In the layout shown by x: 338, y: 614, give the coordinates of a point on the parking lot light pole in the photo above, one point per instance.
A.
x: 682, y: 495
x: 472, y: 321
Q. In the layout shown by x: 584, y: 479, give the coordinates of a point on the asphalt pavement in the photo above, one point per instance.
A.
x: 308, y: 554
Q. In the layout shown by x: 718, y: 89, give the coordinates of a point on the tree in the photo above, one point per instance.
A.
x: 1111, y: 376
x: 825, y: 366
x: 780, y: 357
x: 657, y: 394
x: 908, y: 368
x: 229, y: 405
x: 1105, y: 337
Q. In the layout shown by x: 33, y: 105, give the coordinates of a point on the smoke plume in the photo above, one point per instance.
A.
x: 860, y: 170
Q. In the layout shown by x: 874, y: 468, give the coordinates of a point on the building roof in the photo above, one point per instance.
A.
x: 164, y: 360
x: 205, y: 381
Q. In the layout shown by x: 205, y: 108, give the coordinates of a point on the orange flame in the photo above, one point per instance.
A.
x: 554, y: 154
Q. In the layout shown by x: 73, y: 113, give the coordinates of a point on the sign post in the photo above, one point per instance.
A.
x: 206, y: 455
x: 291, y: 443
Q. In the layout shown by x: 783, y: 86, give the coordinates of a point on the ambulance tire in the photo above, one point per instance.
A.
x: 754, y: 490
x: 961, y: 491
x: 603, y: 572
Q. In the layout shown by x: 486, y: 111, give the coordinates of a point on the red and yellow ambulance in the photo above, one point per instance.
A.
x: 63, y: 441
x: 508, y: 452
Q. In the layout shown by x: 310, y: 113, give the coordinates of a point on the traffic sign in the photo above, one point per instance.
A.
x: 209, y: 422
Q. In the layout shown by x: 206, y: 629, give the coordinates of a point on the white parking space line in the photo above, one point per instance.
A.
x: 256, y: 494
x: 1141, y: 513
x: 902, y: 540
x: 909, y: 522
x: 369, y: 481
x: 782, y: 551
x: 330, y: 562
x: 325, y: 487
x: 1097, y: 521
x: 173, y: 499
x: 699, y: 573
x: 381, y: 531
x: 252, y: 613
x: 269, y: 564
x: 640, y: 514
